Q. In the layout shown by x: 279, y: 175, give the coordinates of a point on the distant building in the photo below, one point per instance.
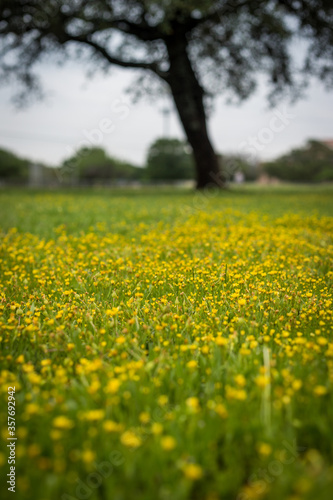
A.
x: 266, y: 180
x: 36, y: 175
x: 41, y: 176
x: 239, y: 177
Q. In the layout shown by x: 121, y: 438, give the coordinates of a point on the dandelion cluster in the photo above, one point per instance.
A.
x: 197, y: 348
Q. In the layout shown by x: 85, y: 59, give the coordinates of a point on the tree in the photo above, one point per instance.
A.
x: 169, y: 160
x: 13, y: 168
x: 195, y: 47
x: 94, y: 164
x: 312, y: 163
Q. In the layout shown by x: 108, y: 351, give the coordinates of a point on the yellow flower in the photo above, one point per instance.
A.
x: 144, y: 417
x: 168, y: 443
x: 111, y: 426
x: 320, y: 390
x: 56, y: 434
x: 130, y: 439
x: 264, y: 449
x: 193, y: 404
x: 297, y: 384
x: 240, y: 380
x: 262, y: 381
x: 192, y: 364
x: 92, y: 415
x: 88, y: 456
x: 221, y: 341
x: 63, y: 422
x: 121, y: 340
x: 163, y: 400
x: 112, y: 386
x: 94, y: 386
x: 45, y: 362
x: 193, y: 472
x: 233, y: 393
x: 157, y: 428
x: 32, y: 409
x: 221, y: 410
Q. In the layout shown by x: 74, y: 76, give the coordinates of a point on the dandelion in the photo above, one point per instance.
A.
x: 88, y: 456
x: 168, y: 443
x: 62, y: 422
x: 144, y: 417
x: 192, y: 365
x: 163, y: 400
x: 264, y: 449
x: 240, y: 380
x: 111, y: 426
x: 320, y: 390
x: 157, y: 428
x: 193, y: 472
x: 221, y: 341
x: 130, y: 439
x: 93, y: 415
x: 113, y: 386
x: 193, y: 404
x: 262, y: 381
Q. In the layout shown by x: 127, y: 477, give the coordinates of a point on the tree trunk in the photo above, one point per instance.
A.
x: 188, y: 97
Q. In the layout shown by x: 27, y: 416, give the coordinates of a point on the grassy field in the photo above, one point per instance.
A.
x: 167, y: 345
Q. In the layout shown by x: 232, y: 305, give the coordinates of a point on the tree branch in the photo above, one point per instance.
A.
x: 142, y: 31
x: 115, y: 60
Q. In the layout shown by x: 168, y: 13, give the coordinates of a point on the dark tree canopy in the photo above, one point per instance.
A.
x: 197, y: 48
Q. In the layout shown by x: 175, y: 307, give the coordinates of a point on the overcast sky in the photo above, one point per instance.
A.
x: 78, y: 110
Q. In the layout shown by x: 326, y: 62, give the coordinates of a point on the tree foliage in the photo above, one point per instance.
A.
x: 169, y: 160
x: 94, y: 164
x: 229, y: 41
x: 312, y: 163
x: 13, y: 168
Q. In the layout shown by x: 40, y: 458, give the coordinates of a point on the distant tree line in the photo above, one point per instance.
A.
x: 311, y: 163
x: 90, y: 165
x: 170, y: 160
